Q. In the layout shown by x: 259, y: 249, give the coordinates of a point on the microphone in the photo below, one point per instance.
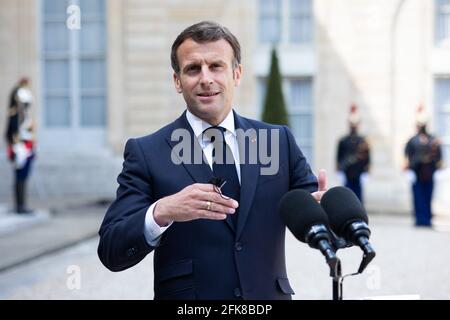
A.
x: 308, y: 222
x: 349, y: 220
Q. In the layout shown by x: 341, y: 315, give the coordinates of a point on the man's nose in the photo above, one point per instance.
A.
x: 206, y: 77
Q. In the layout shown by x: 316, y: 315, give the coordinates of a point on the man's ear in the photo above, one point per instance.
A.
x: 237, y: 75
x: 177, y: 82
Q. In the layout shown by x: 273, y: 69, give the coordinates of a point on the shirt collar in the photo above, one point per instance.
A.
x: 198, y: 125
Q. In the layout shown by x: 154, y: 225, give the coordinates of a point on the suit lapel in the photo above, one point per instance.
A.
x: 200, y: 172
x: 249, y: 174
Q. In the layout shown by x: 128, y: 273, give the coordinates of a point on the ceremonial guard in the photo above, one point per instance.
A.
x: 423, y: 157
x: 20, y: 139
x: 353, y: 154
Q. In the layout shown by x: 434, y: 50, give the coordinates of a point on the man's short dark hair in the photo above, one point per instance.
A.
x: 205, y: 31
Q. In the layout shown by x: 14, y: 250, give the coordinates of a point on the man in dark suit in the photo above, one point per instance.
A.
x: 213, y: 224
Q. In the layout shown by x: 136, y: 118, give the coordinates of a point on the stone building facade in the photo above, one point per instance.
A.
x: 110, y: 79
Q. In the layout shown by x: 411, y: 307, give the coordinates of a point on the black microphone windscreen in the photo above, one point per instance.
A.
x: 342, y: 207
x: 300, y: 211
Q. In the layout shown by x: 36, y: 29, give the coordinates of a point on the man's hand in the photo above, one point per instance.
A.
x: 197, y: 201
x: 322, y: 179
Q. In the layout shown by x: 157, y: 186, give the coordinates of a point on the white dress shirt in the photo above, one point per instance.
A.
x: 152, y: 230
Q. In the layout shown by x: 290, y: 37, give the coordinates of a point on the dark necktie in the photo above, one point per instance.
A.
x: 223, y: 165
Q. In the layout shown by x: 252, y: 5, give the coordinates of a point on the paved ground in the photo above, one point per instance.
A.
x: 410, y: 263
x: 28, y: 236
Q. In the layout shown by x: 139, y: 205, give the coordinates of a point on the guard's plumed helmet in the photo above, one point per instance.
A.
x: 421, y: 116
x: 354, y: 117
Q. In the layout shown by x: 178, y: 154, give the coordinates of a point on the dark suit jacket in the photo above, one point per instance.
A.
x: 204, y: 259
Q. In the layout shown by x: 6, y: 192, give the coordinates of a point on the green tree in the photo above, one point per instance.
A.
x: 274, y: 106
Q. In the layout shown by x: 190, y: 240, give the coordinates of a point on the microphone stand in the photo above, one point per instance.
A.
x: 336, y: 267
x: 336, y: 270
x: 337, y: 282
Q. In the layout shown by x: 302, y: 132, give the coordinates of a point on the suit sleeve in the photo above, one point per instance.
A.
x: 301, y: 175
x: 122, y: 240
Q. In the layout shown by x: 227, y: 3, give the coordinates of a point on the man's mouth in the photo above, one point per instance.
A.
x: 208, y: 94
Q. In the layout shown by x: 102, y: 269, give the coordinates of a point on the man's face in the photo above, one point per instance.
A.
x: 353, y: 127
x: 207, y: 78
x: 421, y: 127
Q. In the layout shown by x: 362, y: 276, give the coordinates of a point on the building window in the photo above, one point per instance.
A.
x: 300, y: 21
x: 298, y: 94
x: 269, y: 21
x: 442, y: 105
x: 285, y: 21
x: 442, y: 30
x: 74, y: 66
x: 299, y: 102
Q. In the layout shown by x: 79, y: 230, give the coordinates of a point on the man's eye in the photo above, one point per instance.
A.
x: 193, y: 69
x: 215, y: 66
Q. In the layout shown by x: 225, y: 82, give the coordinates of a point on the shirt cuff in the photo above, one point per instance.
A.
x: 152, y: 230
